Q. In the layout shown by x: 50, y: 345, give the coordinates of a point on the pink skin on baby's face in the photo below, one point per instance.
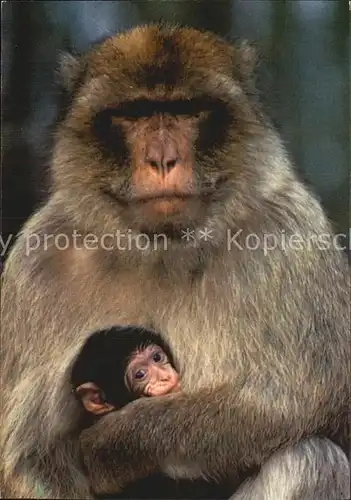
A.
x: 150, y: 373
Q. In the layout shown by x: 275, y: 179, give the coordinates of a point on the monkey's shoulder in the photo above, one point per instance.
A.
x: 43, y: 240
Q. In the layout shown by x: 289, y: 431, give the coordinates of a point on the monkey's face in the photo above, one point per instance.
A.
x: 158, y: 133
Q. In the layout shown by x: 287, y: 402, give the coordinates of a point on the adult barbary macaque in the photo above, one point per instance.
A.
x: 164, y: 136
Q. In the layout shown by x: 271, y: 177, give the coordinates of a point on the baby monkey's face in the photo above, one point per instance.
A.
x: 150, y: 373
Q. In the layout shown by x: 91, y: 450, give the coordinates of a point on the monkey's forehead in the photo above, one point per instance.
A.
x: 161, y: 54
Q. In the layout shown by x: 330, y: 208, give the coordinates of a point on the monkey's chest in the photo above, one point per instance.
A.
x: 203, y: 344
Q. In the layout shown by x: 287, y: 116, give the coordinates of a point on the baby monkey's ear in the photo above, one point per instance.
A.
x: 92, y: 399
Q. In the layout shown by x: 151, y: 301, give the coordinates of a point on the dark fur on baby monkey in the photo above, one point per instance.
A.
x: 121, y: 364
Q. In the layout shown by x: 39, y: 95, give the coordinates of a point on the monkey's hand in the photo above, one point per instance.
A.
x: 112, y: 454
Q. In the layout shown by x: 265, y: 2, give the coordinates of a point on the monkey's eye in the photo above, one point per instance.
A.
x: 140, y: 374
x: 158, y: 357
x: 109, y: 135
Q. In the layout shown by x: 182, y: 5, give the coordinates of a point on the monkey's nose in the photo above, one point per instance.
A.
x: 162, y: 157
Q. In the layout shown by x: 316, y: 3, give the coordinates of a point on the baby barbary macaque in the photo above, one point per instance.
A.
x: 120, y: 364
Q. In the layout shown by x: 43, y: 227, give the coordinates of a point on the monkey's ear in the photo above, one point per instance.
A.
x: 92, y: 399
x: 245, y: 59
x: 70, y: 70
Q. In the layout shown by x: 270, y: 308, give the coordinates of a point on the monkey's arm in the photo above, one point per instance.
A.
x: 211, y: 429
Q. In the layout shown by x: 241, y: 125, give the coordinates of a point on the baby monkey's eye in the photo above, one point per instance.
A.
x: 140, y: 374
x: 158, y: 357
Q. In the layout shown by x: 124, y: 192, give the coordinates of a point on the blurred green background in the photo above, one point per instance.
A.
x: 303, y: 79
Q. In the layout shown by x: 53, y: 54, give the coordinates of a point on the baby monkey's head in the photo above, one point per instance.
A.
x: 121, y: 364
x: 149, y: 372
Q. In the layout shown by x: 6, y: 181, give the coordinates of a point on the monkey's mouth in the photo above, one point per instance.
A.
x: 170, y: 205
x: 164, y: 196
x: 165, y: 203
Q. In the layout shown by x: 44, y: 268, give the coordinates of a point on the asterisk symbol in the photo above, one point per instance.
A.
x: 205, y: 234
x: 188, y: 234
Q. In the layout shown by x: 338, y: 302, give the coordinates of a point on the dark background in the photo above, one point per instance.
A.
x: 303, y: 80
